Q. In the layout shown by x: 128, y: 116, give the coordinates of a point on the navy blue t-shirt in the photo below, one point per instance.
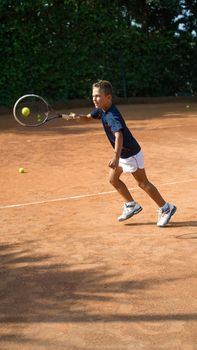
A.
x: 112, y: 122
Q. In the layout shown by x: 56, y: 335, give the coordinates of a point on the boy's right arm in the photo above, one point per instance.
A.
x: 95, y: 114
x: 84, y: 117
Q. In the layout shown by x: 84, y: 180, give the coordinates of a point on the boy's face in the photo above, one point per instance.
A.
x: 101, y: 100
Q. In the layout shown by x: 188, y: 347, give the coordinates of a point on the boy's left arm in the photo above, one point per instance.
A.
x: 113, y: 163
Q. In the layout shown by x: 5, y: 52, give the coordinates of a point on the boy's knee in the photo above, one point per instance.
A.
x: 143, y: 184
x: 113, y: 181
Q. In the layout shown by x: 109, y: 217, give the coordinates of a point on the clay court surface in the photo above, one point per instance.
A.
x: 72, y: 277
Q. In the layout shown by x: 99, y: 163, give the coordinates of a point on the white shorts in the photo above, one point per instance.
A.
x: 131, y: 164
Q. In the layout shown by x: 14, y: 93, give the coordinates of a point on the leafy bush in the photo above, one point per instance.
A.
x: 59, y: 48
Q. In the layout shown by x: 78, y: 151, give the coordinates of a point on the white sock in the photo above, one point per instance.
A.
x: 130, y: 203
x: 165, y: 207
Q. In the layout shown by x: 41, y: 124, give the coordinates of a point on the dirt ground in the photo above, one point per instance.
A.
x: 72, y: 277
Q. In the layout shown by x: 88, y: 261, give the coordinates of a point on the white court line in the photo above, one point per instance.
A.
x: 82, y: 196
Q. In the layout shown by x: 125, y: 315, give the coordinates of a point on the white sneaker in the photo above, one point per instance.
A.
x: 164, y: 216
x: 129, y: 210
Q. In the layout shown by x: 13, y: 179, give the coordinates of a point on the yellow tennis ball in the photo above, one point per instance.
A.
x: 188, y: 106
x: 25, y: 111
x: 21, y: 170
x: 39, y: 118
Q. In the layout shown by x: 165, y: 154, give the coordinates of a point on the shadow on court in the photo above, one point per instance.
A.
x: 55, y: 127
x: 187, y: 236
x: 138, y: 112
x: 184, y: 223
x: 170, y: 225
x: 33, y: 289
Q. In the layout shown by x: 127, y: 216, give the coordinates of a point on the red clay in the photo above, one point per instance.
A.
x: 73, y: 277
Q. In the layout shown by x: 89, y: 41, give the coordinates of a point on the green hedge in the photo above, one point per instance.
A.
x: 59, y: 48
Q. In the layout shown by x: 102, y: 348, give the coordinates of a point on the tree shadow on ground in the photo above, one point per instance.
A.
x: 34, y: 289
x: 55, y: 127
x: 132, y: 112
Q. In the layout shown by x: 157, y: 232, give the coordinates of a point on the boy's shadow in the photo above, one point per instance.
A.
x: 170, y: 225
x: 183, y: 223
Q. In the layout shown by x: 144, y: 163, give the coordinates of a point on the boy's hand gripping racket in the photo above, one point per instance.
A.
x: 33, y: 110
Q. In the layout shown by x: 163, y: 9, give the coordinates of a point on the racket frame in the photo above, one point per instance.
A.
x: 71, y: 116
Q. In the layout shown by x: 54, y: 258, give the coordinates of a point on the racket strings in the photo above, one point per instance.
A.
x: 31, y: 110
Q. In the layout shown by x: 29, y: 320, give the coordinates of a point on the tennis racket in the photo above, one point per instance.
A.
x: 33, y: 110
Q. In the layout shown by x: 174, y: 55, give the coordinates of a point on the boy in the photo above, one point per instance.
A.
x: 127, y: 155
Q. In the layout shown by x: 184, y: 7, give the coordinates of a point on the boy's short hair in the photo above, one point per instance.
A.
x: 105, y: 86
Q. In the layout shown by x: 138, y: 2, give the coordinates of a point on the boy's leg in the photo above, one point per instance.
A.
x: 166, y: 210
x: 130, y: 207
x: 148, y: 187
x: 114, y: 179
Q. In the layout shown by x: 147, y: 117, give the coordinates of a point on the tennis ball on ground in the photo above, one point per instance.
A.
x: 25, y: 111
x: 21, y: 170
x: 188, y: 106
